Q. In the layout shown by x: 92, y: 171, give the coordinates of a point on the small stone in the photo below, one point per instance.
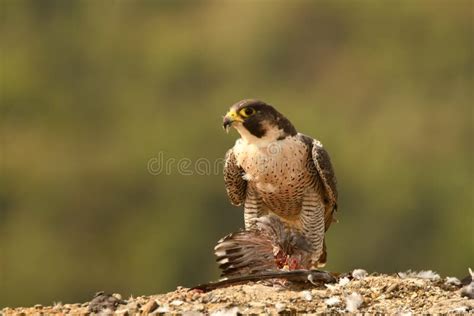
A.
x: 280, y: 307
x: 226, y: 311
x: 344, y: 281
x: 102, y: 302
x: 331, y: 287
x: 468, y: 291
x: 177, y: 303
x: 460, y: 310
x: 392, y: 288
x: 257, y: 304
x: 163, y: 310
x: 122, y: 312
x: 334, y: 300
x: 133, y: 306
x: 149, y: 307
x: 419, y: 282
x: 359, y: 274
x: 38, y: 306
x: 199, y: 307
x: 215, y: 299
x: 306, y: 295
x: 107, y: 311
x: 117, y: 296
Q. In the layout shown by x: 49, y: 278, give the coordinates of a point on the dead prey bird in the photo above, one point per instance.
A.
x: 270, y: 246
x: 271, y: 250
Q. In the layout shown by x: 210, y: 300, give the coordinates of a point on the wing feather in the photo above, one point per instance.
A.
x: 325, y: 171
x: 235, y: 184
x: 245, y: 252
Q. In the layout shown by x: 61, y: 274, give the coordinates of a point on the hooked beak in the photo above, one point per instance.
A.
x: 227, y: 123
x: 230, y: 118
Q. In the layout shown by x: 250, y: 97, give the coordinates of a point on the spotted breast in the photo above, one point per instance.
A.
x: 278, y: 173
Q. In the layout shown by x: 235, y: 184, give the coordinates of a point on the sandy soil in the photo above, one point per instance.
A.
x: 423, y: 292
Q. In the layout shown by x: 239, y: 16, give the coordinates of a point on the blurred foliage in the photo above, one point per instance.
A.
x: 92, y: 90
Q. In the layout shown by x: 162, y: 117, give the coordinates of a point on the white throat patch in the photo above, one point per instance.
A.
x: 272, y: 135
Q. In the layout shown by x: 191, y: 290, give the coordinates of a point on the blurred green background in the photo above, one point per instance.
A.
x: 92, y: 91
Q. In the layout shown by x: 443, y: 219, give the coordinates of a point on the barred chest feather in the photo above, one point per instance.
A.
x: 277, y: 171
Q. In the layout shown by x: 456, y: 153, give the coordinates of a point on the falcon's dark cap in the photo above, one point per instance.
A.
x: 257, y: 116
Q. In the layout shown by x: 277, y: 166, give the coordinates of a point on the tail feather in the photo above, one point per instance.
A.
x: 244, y: 253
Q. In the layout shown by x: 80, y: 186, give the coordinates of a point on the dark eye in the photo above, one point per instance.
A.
x: 246, y: 112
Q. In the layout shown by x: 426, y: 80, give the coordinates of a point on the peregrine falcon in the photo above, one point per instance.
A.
x: 273, y: 169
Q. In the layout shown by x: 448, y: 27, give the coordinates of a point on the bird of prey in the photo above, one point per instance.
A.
x: 273, y: 169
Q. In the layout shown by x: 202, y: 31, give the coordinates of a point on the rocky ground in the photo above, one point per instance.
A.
x: 423, y: 292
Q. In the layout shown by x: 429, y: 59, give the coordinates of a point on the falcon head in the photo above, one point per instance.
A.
x: 255, y: 120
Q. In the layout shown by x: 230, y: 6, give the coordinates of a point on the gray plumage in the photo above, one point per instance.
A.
x: 273, y: 169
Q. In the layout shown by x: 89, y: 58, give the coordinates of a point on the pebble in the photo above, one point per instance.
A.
x: 344, y: 281
x: 214, y: 300
x: 359, y: 274
x: 226, y: 312
x: 306, y: 295
x: 163, y: 310
x: 461, y: 309
x: 149, y: 307
x: 257, y: 304
x: 192, y: 313
x: 280, y: 307
x: 392, y: 288
x: 468, y: 291
x: 117, y: 296
x: 122, y: 312
x: 177, y: 303
x: 334, y: 300
x: 199, y: 307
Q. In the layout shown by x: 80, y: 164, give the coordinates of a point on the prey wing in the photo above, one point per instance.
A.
x: 245, y: 252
